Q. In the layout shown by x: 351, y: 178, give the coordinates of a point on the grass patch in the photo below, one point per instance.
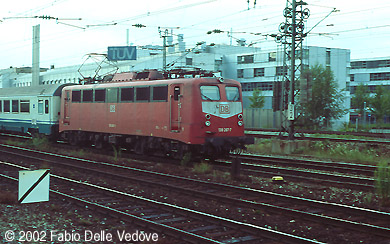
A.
x: 261, y: 146
x: 202, y: 168
x: 382, y: 182
x: 186, y: 159
x: 39, y: 143
x: 348, y: 152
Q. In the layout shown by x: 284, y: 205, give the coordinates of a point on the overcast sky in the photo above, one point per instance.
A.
x: 361, y: 26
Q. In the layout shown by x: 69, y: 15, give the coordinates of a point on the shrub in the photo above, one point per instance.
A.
x: 382, y: 181
x: 202, y: 168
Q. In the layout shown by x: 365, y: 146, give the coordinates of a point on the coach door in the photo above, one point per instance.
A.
x: 175, y: 97
x: 67, y: 108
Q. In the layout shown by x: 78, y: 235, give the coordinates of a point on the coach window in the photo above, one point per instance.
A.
x: 15, y: 106
x: 7, y: 106
x: 160, y: 93
x: 100, y: 95
x: 210, y: 93
x: 24, y: 106
x: 40, y: 106
x: 232, y: 93
x: 1, y: 106
x: 142, y: 94
x: 127, y: 94
x: 87, y: 95
x: 112, y: 95
x: 76, y: 96
x: 46, y: 106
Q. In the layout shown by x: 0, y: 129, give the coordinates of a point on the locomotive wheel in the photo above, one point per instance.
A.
x: 139, y: 147
x: 178, y: 152
x: 73, y: 141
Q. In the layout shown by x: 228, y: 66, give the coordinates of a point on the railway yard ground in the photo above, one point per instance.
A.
x: 64, y: 217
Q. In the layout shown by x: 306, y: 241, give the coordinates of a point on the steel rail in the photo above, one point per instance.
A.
x: 342, y: 167
x: 251, y: 204
x: 249, y: 228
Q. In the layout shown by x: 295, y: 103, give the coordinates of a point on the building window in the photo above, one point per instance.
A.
x: 281, y: 70
x: 272, y: 57
x: 240, y: 73
x: 380, y: 76
x: 370, y: 64
x: 352, y: 77
x: 245, y: 59
x: 262, y: 86
x: 327, y: 57
x: 188, y: 61
x: 259, y: 72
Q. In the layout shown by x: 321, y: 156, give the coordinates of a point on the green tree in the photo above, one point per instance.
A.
x: 257, y: 99
x: 379, y: 104
x: 361, y: 96
x: 325, y: 101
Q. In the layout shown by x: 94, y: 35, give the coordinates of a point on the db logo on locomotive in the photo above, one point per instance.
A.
x: 224, y: 109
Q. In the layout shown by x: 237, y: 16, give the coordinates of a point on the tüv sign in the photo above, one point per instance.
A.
x: 122, y: 53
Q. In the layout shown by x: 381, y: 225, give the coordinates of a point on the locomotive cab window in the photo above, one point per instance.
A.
x: 210, y: 93
x: 232, y: 93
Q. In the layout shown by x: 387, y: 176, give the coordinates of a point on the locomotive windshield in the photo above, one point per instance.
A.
x: 232, y: 93
x: 210, y: 93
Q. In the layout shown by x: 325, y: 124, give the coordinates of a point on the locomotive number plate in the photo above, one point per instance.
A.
x: 224, y: 129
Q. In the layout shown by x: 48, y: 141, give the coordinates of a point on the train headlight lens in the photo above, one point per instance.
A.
x: 207, y: 123
x: 208, y: 116
x: 240, y: 116
x: 240, y: 123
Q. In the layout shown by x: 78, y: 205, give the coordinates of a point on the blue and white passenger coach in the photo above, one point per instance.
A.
x: 32, y: 109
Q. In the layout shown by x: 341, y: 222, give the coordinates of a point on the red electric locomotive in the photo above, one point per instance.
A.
x: 170, y: 116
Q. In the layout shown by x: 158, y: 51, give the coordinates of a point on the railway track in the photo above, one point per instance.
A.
x: 296, y: 207
x: 181, y: 223
x: 273, y: 134
x: 355, y: 176
x: 350, y: 133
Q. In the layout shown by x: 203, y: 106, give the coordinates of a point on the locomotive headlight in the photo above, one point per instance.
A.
x: 207, y: 123
x: 240, y: 123
x: 208, y: 116
x: 240, y: 116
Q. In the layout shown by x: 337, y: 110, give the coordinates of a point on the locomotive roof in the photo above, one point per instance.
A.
x: 41, y: 90
x: 155, y: 82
